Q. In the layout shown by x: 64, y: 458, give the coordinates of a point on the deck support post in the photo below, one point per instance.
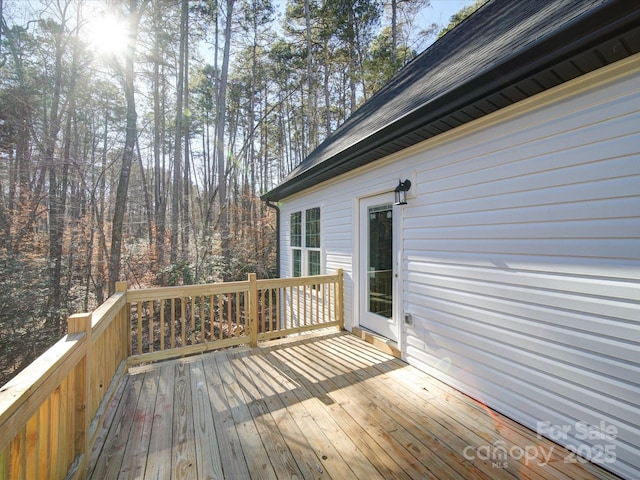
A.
x: 253, y: 310
x: 81, y: 323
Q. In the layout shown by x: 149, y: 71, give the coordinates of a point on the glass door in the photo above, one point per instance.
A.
x: 377, y: 270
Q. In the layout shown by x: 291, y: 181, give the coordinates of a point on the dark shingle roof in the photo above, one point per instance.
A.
x: 504, y: 52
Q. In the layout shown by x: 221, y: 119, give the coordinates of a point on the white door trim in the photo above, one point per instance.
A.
x: 389, y: 328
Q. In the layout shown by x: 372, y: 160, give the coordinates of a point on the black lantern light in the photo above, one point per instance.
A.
x: 401, y: 192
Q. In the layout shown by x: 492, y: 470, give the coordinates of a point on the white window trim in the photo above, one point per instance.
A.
x: 304, y: 250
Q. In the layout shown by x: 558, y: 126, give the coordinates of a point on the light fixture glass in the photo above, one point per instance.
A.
x: 401, y: 192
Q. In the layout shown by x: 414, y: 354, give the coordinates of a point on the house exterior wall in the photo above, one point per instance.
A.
x: 520, y: 260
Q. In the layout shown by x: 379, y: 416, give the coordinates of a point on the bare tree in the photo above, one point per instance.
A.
x: 220, y: 124
x: 135, y: 13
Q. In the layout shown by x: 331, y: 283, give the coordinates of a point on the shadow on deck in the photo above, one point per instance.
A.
x: 323, y: 405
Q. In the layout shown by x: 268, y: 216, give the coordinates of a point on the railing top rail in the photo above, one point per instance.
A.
x: 21, y: 396
x: 186, y: 291
x: 146, y: 294
x: 296, y: 281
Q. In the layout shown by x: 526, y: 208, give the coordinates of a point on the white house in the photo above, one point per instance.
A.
x: 513, y: 271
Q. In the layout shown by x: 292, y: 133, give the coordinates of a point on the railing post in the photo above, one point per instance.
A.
x: 253, y: 310
x: 340, y: 299
x: 81, y: 323
x: 124, y: 318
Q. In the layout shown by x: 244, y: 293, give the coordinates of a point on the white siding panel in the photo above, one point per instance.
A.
x: 602, y: 189
x: 541, y: 326
x: 521, y: 258
x: 558, y: 360
x: 522, y: 266
x: 514, y: 183
x: 620, y: 248
x: 618, y: 269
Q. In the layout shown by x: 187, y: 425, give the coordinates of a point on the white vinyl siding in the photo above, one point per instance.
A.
x: 520, y: 257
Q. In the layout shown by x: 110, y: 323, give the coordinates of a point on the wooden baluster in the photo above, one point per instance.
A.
x: 212, y: 318
x: 45, y: 447
x: 173, y: 323
x: 309, y: 296
x: 229, y: 316
x: 253, y: 310
x: 237, y: 307
x: 324, y: 302
x: 304, y: 300
x: 81, y: 322
x: 193, y: 319
x: 299, y: 302
x: 183, y: 320
x: 318, y: 287
x: 162, y: 305
x: 278, y: 319
x: 340, y: 299
x: 221, y: 317
x: 151, y: 324
x: 263, y: 323
x: 139, y: 310
x: 291, y: 315
x: 272, y: 325
x: 202, y: 321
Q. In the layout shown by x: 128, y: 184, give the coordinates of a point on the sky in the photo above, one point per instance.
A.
x: 441, y: 10
x: 440, y: 13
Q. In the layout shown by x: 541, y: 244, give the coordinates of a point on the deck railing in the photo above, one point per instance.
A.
x: 176, y: 321
x: 52, y: 412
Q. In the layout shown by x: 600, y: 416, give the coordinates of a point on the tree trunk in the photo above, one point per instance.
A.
x: 56, y: 209
x: 186, y: 120
x: 147, y: 197
x: 327, y: 92
x: 177, y: 151
x: 159, y: 182
x: 220, y: 123
x: 394, y: 33
x: 312, y: 110
x: 129, y: 147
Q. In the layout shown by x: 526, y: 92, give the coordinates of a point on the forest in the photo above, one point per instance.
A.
x: 136, y: 137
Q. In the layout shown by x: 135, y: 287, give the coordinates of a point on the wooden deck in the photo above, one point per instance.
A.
x: 315, y: 406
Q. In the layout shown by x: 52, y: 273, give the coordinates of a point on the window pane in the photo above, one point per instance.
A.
x: 296, y: 229
x: 314, y: 262
x: 297, y: 263
x: 380, y: 261
x: 313, y: 228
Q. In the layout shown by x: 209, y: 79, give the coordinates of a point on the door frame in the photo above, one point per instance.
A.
x: 359, y: 252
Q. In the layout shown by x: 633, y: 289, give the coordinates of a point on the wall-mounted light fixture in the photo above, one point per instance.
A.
x: 401, y: 192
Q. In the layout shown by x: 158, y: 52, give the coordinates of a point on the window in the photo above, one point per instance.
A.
x: 297, y: 262
x: 296, y: 229
x: 305, y: 243
x: 313, y: 262
x: 313, y: 228
x: 296, y: 244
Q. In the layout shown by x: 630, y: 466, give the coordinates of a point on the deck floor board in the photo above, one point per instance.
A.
x: 317, y: 406
x: 158, y: 465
